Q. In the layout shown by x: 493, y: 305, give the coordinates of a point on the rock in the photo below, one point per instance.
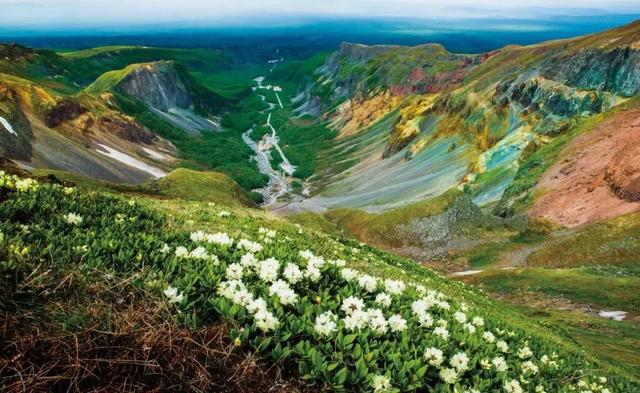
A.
x: 158, y: 85
x: 65, y: 110
x: 623, y: 173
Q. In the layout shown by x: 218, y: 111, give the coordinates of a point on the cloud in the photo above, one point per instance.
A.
x: 63, y: 13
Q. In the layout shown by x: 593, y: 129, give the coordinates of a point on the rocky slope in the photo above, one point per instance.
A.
x: 468, y: 121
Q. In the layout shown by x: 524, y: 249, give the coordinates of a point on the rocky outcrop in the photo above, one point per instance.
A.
x: 65, y: 110
x: 623, y: 173
x: 127, y: 130
x: 616, y: 71
x: 158, y: 85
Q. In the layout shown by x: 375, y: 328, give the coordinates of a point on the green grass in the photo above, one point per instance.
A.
x: 612, y: 242
x: 578, y: 285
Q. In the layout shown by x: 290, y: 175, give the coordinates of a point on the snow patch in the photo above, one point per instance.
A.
x: 155, y: 155
x: 7, y: 126
x: 615, y: 315
x: 466, y: 273
x: 131, y: 161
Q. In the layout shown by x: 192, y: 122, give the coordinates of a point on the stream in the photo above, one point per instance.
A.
x: 279, y: 180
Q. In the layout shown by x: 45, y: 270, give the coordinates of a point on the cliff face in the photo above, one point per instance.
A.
x: 158, y: 85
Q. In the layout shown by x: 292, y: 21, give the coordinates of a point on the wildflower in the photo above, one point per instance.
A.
x: 357, y: 320
x: 421, y: 306
x: 460, y: 361
x: 219, y: 238
x: 224, y: 213
x: 265, y: 320
x: 197, y: 236
x: 500, y: 364
x: 529, y: 367
x: 268, y: 269
x: 524, y: 352
x: 394, y: 287
x: 351, y: 304
x: 513, y: 386
x: 181, y: 252
x: 249, y: 246
x: 478, y: 321
x: 441, y: 332
x: 199, y: 253
x: 368, y: 283
x: 267, y: 232
x: 448, y: 375
x: 485, y: 364
x: 383, y: 299
x: 68, y: 190
x: 460, y: 317
x: 284, y: 292
x: 73, y: 219
x: 540, y: 389
x: 377, y: 322
x: 397, y: 323
x: 425, y: 320
x: 380, y: 383
x: 338, y: 262
x: 25, y: 185
x: 469, y: 327
x: 434, y: 356
x: 234, y: 271
x: 248, y: 260
x: 172, y: 294
x: 325, y: 324
x: 349, y: 274
x: 312, y: 273
x: 256, y: 305
x: 292, y: 273
x: 488, y: 337
x: 165, y: 249
x: 502, y: 346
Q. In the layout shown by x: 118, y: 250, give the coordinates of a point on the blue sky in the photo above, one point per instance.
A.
x: 67, y: 13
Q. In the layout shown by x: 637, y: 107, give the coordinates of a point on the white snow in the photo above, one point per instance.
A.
x: 6, y: 125
x: 131, y: 161
x: 155, y: 155
x: 466, y: 273
x: 615, y: 315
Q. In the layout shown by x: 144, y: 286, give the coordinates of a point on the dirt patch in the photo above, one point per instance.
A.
x: 65, y: 110
x: 597, y: 176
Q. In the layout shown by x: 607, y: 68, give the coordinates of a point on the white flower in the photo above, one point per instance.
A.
x: 292, y: 273
x: 377, y: 322
x: 368, y: 283
x: 219, y: 238
x: 394, y: 287
x: 306, y: 254
x: 540, y: 389
x: 73, y: 219
x: 242, y: 297
x: 199, y: 253
x: 357, y: 320
x: 182, y: 252
x: 24, y: 185
x: 284, y: 292
x: 197, y: 236
x: 441, y: 332
x: 488, y: 337
x: 478, y: 321
x: 165, y: 248
x: 172, y: 294
x: 68, y: 190
x: 380, y: 383
x: 448, y: 375
x: 529, y: 367
x: 524, y: 352
x: 421, y: 306
x: 460, y: 361
x: 460, y: 317
x: 338, y: 262
x: 513, y: 386
x: 425, y: 320
x: 434, y: 356
x: 485, y: 364
x: 312, y: 273
x: 224, y: 213
x: 470, y: 328
x: 265, y: 320
x: 325, y: 324
x: 256, y: 305
x: 383, y: 299
x: 500, y: 364
x: 502, y: 346
x: 248, y: 245
x: 267, y: 232
x: 268, y: 270
x: 248, y: 260
x: 234, y: 271
x: 397, y: 323
x: 349, y: 274
x: 351, y: 304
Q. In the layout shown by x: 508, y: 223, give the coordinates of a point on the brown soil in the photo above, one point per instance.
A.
x: 597, y: 176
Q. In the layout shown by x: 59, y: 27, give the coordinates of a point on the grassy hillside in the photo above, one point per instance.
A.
x: 112, y: 246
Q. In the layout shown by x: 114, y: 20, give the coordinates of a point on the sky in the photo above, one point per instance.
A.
x: 103, y: 13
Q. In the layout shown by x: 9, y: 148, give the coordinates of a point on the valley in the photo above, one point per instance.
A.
x: 240, y: 198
